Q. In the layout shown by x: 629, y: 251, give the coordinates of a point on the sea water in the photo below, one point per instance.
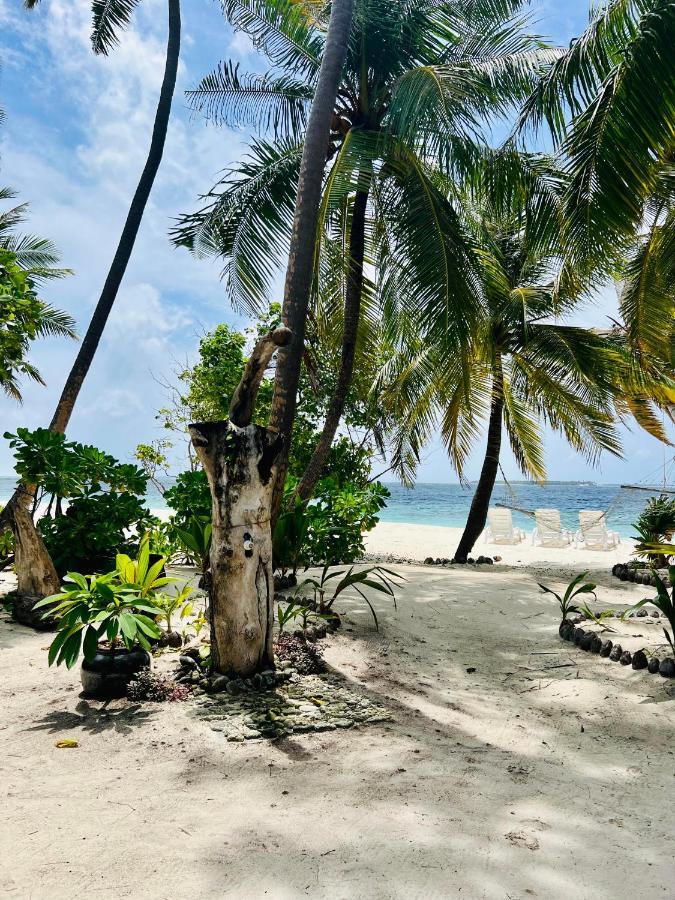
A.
x: 448, y: 504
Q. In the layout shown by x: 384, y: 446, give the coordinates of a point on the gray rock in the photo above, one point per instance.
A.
x: 606, y: 648
x: 626, y: 658
x: 640, y: 660
x: 641, y: 613
x: 596, y: 643
x: 188, y: 662
x: 232, y: 688
x: 655, y: 614
x: 667, y: 667
x: 616, y: 652
x: 219, y: 683
x: 653, y: 667
x: 578, y: 635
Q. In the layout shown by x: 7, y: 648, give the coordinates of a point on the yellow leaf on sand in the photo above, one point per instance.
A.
x: 66, y: 742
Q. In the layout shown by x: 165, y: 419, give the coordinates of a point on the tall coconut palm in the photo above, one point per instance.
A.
x: 37, y: 576
x: 521, y: 369
x: 419, y: 81
x: 610, y: 105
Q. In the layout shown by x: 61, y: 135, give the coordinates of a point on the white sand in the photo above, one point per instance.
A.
x: 419, y: 541
x: 546, y: 773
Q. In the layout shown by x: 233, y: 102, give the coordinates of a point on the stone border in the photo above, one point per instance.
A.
x: 593, y: 643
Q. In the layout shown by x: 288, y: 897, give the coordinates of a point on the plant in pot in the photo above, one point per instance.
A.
x: 110, y: 620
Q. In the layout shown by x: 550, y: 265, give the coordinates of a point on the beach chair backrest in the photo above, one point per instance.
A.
x: 549, y: 526
x: 501, y: 523
x: 593, y: 526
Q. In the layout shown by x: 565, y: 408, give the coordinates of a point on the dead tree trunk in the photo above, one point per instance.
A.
x: 239, y: 459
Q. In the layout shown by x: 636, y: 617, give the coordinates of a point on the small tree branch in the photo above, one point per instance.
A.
x: 243, y: 399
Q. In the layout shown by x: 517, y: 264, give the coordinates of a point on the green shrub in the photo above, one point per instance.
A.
x: 94, y: 504
x: 189, y: 498
x: 655, y: 525
x: 87, y: 536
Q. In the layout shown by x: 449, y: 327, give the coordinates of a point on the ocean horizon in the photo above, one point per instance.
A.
x: 447, y: 505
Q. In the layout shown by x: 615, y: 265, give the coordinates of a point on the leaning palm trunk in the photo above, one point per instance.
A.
x: 300, y: 270
x: 352, y: 315
x: 475, y: 523
x: 239, y: 459
x: 35, y: 571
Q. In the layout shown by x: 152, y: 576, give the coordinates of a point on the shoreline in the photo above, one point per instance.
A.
x: 417, y: 542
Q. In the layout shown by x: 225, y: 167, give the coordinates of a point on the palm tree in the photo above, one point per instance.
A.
x: 519, y: 367
x: 419, y: 80
x: 609, y: 102
x: 36, y: 574
x: 108, y: 17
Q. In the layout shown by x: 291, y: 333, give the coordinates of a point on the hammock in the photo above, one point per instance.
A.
x: 667, y: 487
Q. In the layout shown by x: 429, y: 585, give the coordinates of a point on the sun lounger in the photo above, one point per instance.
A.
x: 549, y: 531
x: 500, y: 528
x: 593, y: 532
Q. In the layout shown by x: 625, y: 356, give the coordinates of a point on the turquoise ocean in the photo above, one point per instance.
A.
x: 448, y: 504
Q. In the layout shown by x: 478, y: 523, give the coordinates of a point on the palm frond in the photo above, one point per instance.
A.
x: 262, y: 102
x: 247, y: 221
x: 108, y: 17
x: 281, y: 29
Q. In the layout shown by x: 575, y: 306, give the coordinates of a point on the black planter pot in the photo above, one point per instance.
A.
x: 110, y: 671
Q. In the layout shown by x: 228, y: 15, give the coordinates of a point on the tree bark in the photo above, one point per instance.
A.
x: 477, y: 518
x: 303, y: 239
x: 352, y: 316
x: 239, y: 459
x: 34, y: 566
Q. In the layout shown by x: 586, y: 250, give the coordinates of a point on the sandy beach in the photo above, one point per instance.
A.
x: 514, y: 766
x: 419, y: 541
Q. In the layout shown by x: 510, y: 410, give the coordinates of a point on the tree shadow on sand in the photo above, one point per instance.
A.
x: 94, y: 719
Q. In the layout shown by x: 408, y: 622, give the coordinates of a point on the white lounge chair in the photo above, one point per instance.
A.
x: 549, y: 531
x: 500, y: 528
x: 593, y: 532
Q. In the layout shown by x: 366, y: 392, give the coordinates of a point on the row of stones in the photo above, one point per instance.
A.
x: 312, y: 703
x: 593, y: 643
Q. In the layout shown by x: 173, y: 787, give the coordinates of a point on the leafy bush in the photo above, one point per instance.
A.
x: 87, y: 535
x: 655, y: 525
x: 328, y: 529
x: 94, y: 504
x: 189, y: 498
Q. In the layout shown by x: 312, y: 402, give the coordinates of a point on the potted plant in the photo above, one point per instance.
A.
x: 109, y: 619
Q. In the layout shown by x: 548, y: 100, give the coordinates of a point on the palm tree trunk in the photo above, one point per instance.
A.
x: 303, y: 240
x: 35, y: 571
x: 120, y: 261
x: 477, y: 518
x: 352, y: 315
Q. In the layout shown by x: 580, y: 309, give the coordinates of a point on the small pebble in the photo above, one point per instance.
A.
x: 626, y: 658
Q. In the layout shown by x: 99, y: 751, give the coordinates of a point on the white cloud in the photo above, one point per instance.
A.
x: 76, y: 137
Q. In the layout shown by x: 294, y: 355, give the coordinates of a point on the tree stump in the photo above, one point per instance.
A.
x: 239, y: 459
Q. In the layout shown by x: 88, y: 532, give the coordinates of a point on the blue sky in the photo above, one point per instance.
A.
x: 73, y: 143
